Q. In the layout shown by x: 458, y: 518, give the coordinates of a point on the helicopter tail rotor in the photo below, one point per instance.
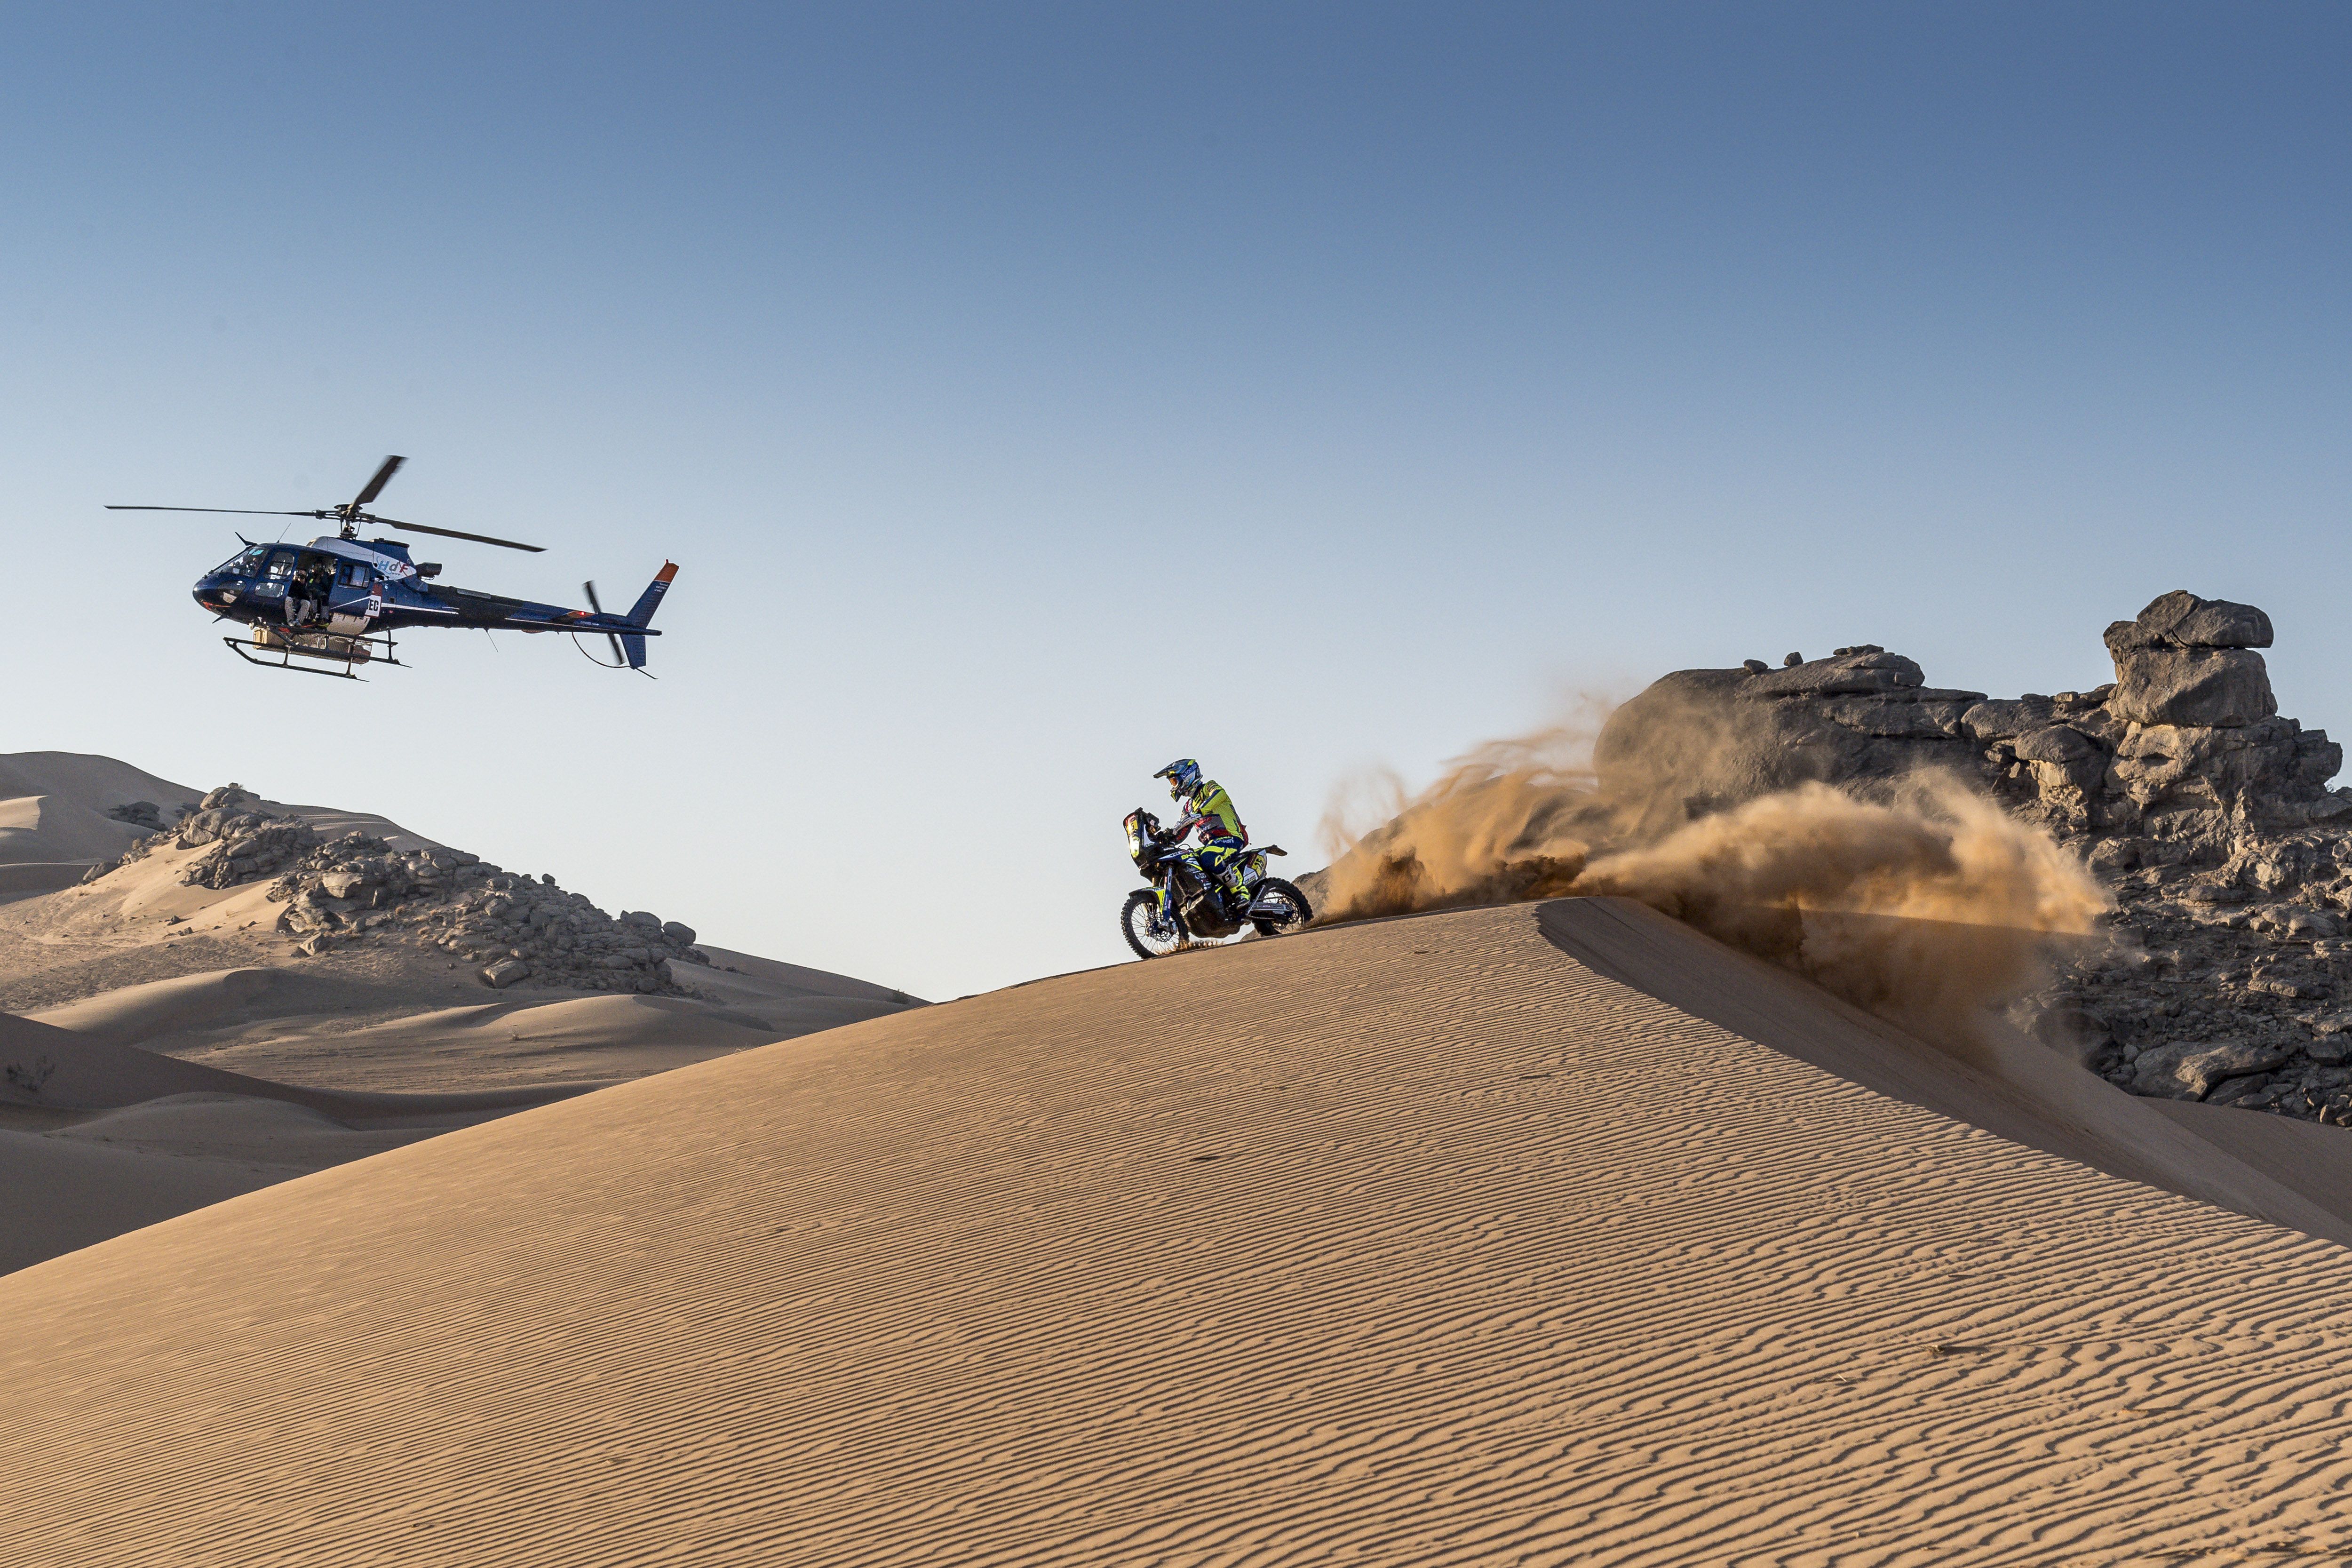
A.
x: 633, y: 644
x: 597, y: 604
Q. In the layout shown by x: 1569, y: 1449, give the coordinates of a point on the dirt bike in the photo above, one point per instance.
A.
x: 1187, y: 907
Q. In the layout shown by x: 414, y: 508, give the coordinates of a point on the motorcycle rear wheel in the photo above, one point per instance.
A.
x: 1300, y: 912
x: 1151, y: 933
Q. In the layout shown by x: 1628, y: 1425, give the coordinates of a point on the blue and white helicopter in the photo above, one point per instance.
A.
x: 337, y: 600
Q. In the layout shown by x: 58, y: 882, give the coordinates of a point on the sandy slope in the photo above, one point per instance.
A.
x: 53, y: 820
x: 53, y: 807
x: 98, y: 1137
x: 1413, y: 1241
x: 374, y: 1054
x: 143, y: 971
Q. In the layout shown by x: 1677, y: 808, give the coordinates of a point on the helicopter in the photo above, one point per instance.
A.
x: 336, y: 601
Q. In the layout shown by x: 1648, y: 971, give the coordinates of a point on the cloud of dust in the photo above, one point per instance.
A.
x: 1500, y: 825
x: 1926, y: 907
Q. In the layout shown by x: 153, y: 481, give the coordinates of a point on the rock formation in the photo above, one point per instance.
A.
x: 2208, y: 815
x: 356, y: 889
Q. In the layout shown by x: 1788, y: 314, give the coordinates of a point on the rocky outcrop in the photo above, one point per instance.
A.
x: 244, y: 845
x: 355, y: 889
x: 520, y: 930
x: 2209, y: 815
x: 1700, y: 740
x: 2189, y: 661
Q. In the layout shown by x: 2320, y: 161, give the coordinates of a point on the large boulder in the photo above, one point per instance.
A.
x: 2189, y: 1069
x: 2184, y: 620
x: 2207, y: 688
x: 2187, y: 660
x: 2054, y: 743
x: 2004, y: 719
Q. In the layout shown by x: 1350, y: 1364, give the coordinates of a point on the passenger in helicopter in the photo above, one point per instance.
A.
x: 306, y: 596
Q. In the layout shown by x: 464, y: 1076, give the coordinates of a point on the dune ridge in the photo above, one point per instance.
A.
x: 1409, y: 1240
x: 53, y: 809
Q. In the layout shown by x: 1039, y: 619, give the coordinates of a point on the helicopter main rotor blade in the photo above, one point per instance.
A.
x: 597, y: 604
x: 374, y: 487
x: 232, y: 510
x: 446, y: 532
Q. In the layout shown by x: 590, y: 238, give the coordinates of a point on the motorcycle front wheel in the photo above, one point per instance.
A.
x: 1150, y: 932
x: 1296, y: 914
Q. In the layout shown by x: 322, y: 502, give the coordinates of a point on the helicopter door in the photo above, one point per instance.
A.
x: 277, y: 574
x: 354, y: 595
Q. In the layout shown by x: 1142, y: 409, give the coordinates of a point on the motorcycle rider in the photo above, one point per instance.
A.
x: 1224, y: 842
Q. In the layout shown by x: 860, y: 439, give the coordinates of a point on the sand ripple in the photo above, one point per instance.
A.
x: 1407, y: 1242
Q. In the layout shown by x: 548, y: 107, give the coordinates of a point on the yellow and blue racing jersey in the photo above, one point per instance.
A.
x: 1215, y: 808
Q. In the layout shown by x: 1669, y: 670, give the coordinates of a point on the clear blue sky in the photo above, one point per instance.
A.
x: 1032, y: 395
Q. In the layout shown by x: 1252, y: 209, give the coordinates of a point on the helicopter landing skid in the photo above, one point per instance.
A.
x: 327, y: 648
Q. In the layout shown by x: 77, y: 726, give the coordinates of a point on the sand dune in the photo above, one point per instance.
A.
x: 156, y: 989
x: 40, y: 827
x: 1418, y: 1240
x: 68, y: 1194
x: 336, y: 1029
x: 58, y: 1068
x: 160, y: 1010
x: 53, y: 807
x: 2016, y: 1087
x: 580, y: 1039
x: 47, y: 1068
x: 278, y: 1073
x: 98, y: 1137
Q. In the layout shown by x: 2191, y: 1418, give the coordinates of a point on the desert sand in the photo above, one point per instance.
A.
x: 53, y: 816
x: 1550, y: 1233
x: 164, y: 1046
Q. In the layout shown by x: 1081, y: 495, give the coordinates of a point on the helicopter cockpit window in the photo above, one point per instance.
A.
x: 281, y: 566
x: 244, y: 564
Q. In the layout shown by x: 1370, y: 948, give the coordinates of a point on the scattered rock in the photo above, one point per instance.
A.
x: 2186, y: 1070
x: 505, y: 973
x: 143, y: 814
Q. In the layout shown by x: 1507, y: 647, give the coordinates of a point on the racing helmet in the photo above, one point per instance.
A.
x: 1183, y: 777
